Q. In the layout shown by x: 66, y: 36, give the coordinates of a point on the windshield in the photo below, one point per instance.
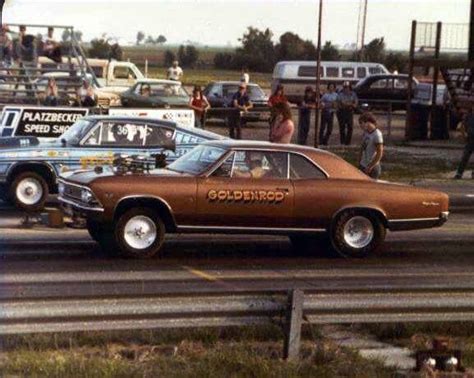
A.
x: 254, y: 91
x: 74, y: 134
x: 162, y: 90
x: 198, y: 160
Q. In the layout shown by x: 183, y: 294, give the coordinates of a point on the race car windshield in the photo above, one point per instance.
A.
x: 198, y: 160
x: 74, y: 134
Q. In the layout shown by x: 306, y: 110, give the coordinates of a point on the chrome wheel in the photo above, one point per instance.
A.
x: 140, y: 232
x: 358, y: 232
x: 29, y: 191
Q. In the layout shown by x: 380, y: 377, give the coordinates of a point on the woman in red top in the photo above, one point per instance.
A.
x: 199, y: 104
x: 278, y: 97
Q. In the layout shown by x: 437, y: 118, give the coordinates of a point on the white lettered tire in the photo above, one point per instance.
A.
x: 139, y: 233
x: 29, y: 191
x: 357, y: 233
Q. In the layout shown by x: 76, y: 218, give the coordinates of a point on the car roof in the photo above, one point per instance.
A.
x: 254, y: 144
x: 230, y: 82
x: 387, y: 76
x: 161, y: 122
x: 158, y: 81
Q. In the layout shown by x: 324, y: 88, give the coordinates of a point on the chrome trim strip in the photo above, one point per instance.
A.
x: 75, y: 204
x: 239, y: 228
x: 414, y: 220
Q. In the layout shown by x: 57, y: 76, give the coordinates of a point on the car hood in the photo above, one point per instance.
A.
x: 30, y: 146
x: 87, y: 176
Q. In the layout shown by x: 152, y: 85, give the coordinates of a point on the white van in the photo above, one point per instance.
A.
x: 295, y: 76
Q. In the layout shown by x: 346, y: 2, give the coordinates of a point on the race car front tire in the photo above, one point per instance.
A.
x: 139, y: 233
x: 357, y: 233
x: 29, y: 191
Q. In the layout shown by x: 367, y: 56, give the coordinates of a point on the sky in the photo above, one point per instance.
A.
x: 222, y: 22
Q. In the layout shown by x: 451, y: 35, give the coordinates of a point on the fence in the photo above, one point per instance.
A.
x: 454, y: 36
x: 289, y: 310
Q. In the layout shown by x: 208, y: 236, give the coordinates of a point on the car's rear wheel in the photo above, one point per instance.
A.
x: 29, y: 191
x: 140, y: 233
x: 357, y: 233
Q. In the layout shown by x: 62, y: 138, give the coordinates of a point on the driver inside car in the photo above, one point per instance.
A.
x: 253, y: 167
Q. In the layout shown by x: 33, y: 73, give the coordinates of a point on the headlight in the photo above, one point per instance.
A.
x: 86, y: 196
x: 61, y: 189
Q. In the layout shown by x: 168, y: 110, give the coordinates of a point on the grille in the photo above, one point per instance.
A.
x: 72, y: 191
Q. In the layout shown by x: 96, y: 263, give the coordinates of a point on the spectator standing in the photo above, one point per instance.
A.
x: 346, y: 103
x: 308, y: 103
x: 6, y: 53
x: 241, y: 99
x: 467, y: 131
x: 200, y: 105
x: 175, y: 72
x: 329, y: 106
x: 245, y: 77
x: 51, y: 93
x: 51, y: 47
x: 276, y: 97
x: 86, y: 95
x: 283, y: 127
x: 371, y: 151
x: 28, y: 58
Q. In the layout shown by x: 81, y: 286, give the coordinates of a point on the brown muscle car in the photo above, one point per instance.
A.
x: 233, y: 186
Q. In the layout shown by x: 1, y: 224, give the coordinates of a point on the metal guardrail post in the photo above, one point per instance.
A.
x: 294, y: 317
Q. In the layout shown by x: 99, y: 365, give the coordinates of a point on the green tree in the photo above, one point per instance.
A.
x: 140, y: 37
x: 374, y: 51
x: 150, y: 40
x: 330, y: 52
x: 292, y: 47
x: 396, y: 61
x: 188, y: 55
x: 170, y: 56
x: 102, y: 49
x: 161, y: 39
x: 257, y: 51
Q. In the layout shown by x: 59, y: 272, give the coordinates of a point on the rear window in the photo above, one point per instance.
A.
x: 302, y: 168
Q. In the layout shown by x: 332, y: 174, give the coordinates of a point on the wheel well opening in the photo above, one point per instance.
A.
x: 366, y: 210
x: 40, y: 169
x: 151, y: 203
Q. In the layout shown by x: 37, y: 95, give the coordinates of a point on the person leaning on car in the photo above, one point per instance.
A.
x: 241, y: 99
x: 371, y: 151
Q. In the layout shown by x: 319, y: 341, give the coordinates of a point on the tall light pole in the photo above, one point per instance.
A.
x: 2, y: 3
x: 318, y: 77
x: 471, y: 33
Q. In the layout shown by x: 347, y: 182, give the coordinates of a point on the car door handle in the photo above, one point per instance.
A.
x: 283, y: 189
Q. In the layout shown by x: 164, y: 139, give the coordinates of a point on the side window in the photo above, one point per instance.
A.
x: 375, y: 70
x: 361, y: 72
x: 94, y: 137
x: 225, y: 169
x: 332, y: 71
x: 348, y: 72
x: 158, y: 136
x: 216, y: 89
x: 122, y: 134
x: 401, y: 83
x: 123, y: 73
x: 260, y: 164
x: 379, y: 84
x: 302, y: 168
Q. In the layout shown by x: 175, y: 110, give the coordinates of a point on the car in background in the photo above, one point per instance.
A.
x: 219, y: 94
x: 295, y: 76
x: 232, y: 186
x: 154, y: 93
x: 378, y: 91
x: 29, y: 167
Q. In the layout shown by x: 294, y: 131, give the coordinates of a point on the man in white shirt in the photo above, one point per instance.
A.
x: 245, y: 77
x: 174, y: 72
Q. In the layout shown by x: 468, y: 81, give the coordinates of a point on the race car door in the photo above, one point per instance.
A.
x: 250, y: 190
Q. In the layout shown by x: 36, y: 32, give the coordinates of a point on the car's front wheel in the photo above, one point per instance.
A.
x: 29, y: 191
x: 357, y: 233
x: 140, y: 233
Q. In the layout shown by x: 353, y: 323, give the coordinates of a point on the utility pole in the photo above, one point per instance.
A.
x: 2, y: 3
x: 361, y: 26
x: 471, y: 33
x: 318, y: 77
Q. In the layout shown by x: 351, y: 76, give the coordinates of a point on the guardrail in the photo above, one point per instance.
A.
x: 290, y: 310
